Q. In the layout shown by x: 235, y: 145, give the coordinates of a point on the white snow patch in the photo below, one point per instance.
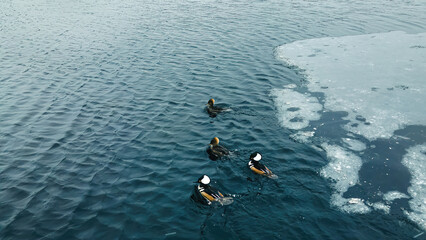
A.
x: 392, y: 195
x: 349, y: 205
x: 381, y: 206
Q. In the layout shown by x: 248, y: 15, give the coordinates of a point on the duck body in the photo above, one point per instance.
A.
x: 258, y: 167
x: 206, y: 194
x: 212, y: 109
x: 216, y: 152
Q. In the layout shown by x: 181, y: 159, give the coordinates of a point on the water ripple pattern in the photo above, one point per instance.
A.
x: 102, y: 127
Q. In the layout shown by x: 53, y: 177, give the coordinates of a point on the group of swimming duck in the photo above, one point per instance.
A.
x: 207, y: 194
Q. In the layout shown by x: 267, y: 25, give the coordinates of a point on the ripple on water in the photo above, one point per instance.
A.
x: 103, y: 130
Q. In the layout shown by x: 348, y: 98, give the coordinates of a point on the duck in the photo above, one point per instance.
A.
x: 212, y: 109
x: 258, y: 167
x: 208, y: 194
x: 216, y: 151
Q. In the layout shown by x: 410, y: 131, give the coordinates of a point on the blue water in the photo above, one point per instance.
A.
x: 103, y: 129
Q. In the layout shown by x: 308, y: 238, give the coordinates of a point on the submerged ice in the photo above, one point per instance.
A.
x: 378, y: 80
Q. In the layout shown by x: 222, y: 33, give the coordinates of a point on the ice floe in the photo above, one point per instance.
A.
x: 302, y: 136
x: 354, y: 144
x: 343, y: 171
x: 378, y: 77
x: 295, y: 110
x: 415, y: 161
x: 378, y: 80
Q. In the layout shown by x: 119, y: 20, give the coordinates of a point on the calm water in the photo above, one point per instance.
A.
x: 103, y: 130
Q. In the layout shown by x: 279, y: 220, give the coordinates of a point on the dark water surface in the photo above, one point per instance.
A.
x: 103, y: 131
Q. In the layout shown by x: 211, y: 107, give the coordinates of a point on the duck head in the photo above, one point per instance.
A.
x: 255, y: 156
x: 214, y: 141
x: 204, y: 180
x: 210, y: 102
